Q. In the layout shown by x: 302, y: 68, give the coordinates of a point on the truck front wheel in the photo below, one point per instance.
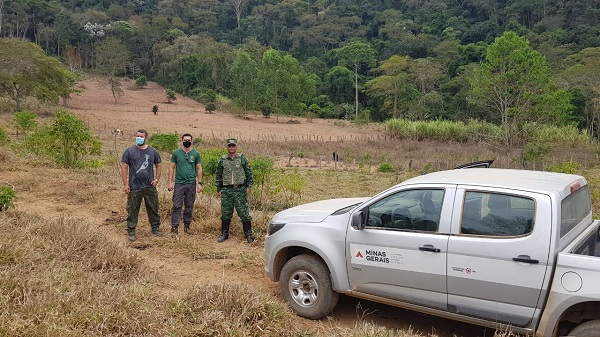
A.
x: 306, y: 286
x: 587, y: 329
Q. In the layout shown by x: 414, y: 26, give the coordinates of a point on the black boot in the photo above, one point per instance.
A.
x: 248, y: 231
x: 224, y: 230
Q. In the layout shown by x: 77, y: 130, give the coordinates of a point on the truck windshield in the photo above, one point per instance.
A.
x: 574, y: 208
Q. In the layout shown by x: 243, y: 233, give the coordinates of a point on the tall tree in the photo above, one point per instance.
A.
x: 26, y: 71
x: 582, y: 74
x: 354, y: 55
x: 390, y: 85
x: 514, y: 81
x: 112, y: 58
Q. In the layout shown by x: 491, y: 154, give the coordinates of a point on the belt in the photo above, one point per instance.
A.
x: 233, y: 186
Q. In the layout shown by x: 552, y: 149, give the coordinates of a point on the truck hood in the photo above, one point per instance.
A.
x: 315, y: 211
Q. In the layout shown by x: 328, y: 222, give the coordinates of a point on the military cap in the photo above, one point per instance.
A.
x: 231, y: 141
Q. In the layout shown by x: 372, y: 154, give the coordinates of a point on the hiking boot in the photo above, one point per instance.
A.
x: 131, y: 237
x: 224, y: 236
x: 187, y: 230
x: 249, y: 236
x: 174, y: 232
x: 156, y: 232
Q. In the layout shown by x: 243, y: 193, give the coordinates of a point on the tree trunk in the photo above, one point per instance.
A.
x: 356, y: 88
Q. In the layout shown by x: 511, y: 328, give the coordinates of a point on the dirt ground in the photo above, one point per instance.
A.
x: 96, y: 106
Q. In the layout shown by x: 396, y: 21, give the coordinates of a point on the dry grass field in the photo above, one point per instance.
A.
x: 64, y: 255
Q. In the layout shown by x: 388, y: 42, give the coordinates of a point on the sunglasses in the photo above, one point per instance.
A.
x: 231, y: 145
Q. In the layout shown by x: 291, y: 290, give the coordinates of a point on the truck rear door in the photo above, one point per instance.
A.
x: 498, y: 254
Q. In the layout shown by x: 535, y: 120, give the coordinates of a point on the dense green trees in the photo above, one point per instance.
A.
x: 514, y: 82
x: 334, y: 51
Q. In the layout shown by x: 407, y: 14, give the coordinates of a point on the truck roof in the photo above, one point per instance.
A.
x: 538, y: 181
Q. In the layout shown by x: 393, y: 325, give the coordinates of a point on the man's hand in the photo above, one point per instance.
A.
x: 199, y: 188
x: 126, y: 189
x: 171, y: 187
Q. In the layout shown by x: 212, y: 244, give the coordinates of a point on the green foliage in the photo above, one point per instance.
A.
x: 262, y: 167
x: 210, y: 158
x: 171, y: 95
x: 7, y: 197
x: 289, y: 186
x: 25, y: 70
x: 3, y: 137
x: 72, y: 139
x: 266, y: 110
x: 41, y: 141
x: 164, y: 142
x: 203, y: 95
x: 141, y: 82
x: 385, y: 168
x: 155, y: 109
x: 210, y: 107
x: 566, y: 167
x: 25, y: 121
x: 262, y: 170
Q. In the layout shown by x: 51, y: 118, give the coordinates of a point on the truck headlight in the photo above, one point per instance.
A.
x: 274, y: 227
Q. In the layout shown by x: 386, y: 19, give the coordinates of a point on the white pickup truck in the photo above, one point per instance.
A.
x: 508, y: 249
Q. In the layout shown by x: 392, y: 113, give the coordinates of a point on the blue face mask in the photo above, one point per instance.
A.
x: 140, y: 141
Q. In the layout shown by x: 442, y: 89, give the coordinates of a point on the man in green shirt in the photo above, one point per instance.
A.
x: 186, y: 166
x: 234, y: 180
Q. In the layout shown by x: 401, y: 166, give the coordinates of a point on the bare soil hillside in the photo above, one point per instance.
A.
x: 186, y: 261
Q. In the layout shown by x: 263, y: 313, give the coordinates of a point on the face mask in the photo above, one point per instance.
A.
x: 187, y: 144
x: 140, y: 141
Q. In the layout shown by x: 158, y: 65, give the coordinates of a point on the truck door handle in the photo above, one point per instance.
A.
x: 429, y: 248
x: 525, y: 259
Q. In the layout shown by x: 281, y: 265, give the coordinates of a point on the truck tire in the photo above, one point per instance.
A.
x: 306, y: 286
x: 587, y: 329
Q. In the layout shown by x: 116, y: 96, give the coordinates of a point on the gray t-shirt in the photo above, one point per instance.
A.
x: 141, y: 166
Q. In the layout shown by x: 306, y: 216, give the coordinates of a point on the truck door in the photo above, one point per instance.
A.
x: 498, y: 254
x: 401, y: 253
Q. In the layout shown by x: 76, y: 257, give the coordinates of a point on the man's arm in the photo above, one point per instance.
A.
x: 199, y: 174
x: 248, y: 171
x: 158, y: 169
x: 124, y: 171
x: 171, y: 174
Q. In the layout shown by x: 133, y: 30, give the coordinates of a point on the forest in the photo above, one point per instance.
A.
x: 501, y: 61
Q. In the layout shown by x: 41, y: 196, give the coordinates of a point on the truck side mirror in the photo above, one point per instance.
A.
x: 357, y: 220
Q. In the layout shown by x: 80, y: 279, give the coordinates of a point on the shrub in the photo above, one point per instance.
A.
x: 25, y: 121
x: 7, y: 197
x: 164, y: 142
x: 171, y: 96
x: 72, y: 139
x: 141, y: 82
x: 567, y: 167
x: 203, y: 95
x: 385, y: 167
x: 155, y: 109
x: 210, y: 107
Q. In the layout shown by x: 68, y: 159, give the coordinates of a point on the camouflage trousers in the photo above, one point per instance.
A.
x: 235, y: 198
x: 134, y: 202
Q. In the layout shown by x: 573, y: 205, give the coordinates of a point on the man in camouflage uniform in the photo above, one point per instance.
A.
x: 234, y: 180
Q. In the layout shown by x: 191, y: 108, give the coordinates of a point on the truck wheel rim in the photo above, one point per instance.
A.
x: 303, y: 288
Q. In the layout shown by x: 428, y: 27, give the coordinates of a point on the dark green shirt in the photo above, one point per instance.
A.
x: 185, y: 165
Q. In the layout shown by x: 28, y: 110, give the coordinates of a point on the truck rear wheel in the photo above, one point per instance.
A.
x: 587, y: 329
x: 306, y: 286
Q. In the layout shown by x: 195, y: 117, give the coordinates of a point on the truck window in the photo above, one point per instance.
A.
x: 499, y: 215
x: 412, y: 210
x: 574, y: 208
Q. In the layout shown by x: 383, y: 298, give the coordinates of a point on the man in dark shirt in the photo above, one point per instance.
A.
x: 139, y: 182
